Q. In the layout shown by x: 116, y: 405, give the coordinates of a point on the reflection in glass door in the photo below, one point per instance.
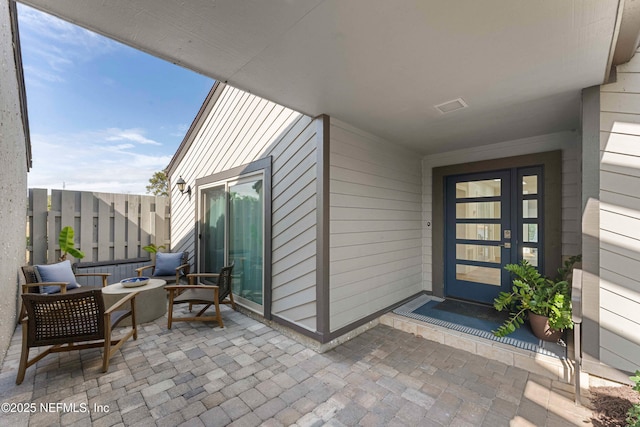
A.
x: 245, y: 238
x: 492, y: 219
x: 232, y: 231
x: 214, y: 207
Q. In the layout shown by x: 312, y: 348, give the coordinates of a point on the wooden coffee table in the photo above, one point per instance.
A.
x: 151, y: 301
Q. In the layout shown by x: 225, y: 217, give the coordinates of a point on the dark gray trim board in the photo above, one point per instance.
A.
x: 325, y: 338
x: 345, y: 329
x: 323, y: 325
x: 258, y: 165
x: 237, y: 171
x: 299, y: 329
x: 552, y: 163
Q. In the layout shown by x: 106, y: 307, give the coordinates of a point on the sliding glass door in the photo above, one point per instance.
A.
x: 232, y: 231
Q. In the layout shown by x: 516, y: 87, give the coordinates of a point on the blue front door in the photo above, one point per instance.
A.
x: 492, y: 219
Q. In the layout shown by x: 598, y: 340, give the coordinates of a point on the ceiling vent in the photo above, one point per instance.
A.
x: 451, y: 106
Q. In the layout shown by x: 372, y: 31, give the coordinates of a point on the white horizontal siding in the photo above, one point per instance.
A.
x: 239, y: 129
x: 565, y: 141
x: 620, y: 219
x: 375, y: 224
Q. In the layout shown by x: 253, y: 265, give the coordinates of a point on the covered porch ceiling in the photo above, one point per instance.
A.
x: 384, y: 65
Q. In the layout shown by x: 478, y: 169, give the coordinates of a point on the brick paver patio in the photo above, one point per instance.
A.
x: 249, y: 374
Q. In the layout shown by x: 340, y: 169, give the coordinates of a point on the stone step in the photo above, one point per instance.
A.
x: 550, y: 367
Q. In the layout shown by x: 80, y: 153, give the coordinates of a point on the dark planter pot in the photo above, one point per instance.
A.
x: 541, y: 329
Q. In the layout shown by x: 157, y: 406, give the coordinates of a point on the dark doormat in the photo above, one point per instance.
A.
x: 477, y: 311
x: 477, y: 320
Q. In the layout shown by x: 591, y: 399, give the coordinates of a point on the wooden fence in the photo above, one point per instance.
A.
x: 108, y: 227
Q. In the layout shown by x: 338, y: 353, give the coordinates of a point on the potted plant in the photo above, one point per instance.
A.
x: 546, y: 302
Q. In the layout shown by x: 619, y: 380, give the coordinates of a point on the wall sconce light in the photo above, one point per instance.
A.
x: 181, y: 183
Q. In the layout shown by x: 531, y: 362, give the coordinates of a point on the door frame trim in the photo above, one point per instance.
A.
x: 551, y: 161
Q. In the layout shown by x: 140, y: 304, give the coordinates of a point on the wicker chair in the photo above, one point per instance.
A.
x: 34, y: 285
x: 69, y: 322
x: 202, y: 294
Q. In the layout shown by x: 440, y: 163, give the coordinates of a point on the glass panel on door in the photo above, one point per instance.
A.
x: 486, y: 188
x: 246, y: 223
x: 530, y: 184
x: 530, y: 233
x: 530, y: 195
x: 473, y: 273
x: 478, y: 253
x: 477, y: 210
x: 478, y: 231
x: 214, y: 206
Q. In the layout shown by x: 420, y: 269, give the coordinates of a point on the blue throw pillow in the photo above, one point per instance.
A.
x: 60, y: 272
x: 166, y: 263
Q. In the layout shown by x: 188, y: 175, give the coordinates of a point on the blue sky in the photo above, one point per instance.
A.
x: 102, y: 116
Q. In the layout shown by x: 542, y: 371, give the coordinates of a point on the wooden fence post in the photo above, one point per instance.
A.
x: 37, y: 226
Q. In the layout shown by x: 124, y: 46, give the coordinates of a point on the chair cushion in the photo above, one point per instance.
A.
x: 166, y: 263
x: 60, y: 272
x: 196, y: 296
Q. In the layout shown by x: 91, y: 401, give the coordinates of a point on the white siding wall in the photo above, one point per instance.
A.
x: 375, y: 221
x: 242, y: 128
x: 620, y: 219
x: 565, y: 141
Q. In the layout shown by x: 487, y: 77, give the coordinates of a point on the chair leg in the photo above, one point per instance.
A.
x: 22, y: 313
x: 107, y: 344
x: 24, y: 356
x: 218, y: 315
x: 170, y: 314
x: 233, y: 303
x: 134, y: 323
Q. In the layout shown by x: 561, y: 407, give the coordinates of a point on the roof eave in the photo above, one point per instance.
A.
x: 22, y: 93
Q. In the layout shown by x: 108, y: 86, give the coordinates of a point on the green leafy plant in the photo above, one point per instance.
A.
x: 67, y: 246
x: 152, y: 248
x: 534, y: 292
x: 633, y: 416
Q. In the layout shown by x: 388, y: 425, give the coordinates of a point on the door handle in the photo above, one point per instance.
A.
x: 506, y: 245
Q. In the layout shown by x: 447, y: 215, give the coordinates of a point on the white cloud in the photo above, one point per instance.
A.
x: 48, y: 27
x: 89, y: 161
x: 134, y: 135
x: 56, y: 45
x: 42, y: 76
